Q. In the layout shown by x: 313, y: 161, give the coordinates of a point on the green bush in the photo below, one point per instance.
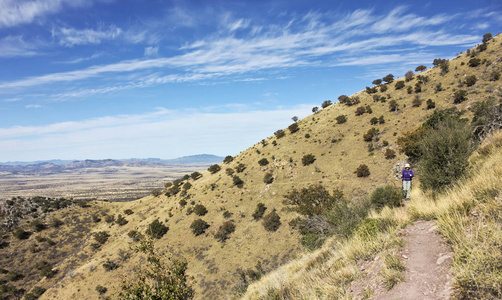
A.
x: 381, y: 120
x: 238, y: 182
x: 372, y: 226
x: 158, y: 279
x: 341, y: 119
x: 240, y: 168
x: 14, y: 276
x: 487, y: 117
x: 110, y: 265
x: 214, y: 168
x: 470, y: 80
x: 21, y: 234
x: 416, y: 102
x: 360, y: 111
x: 46, y: 269
x: 313, y: 200
x: 195, y: 175
x: 326, y: 103
x: 474, y: 62
x: 35, y: 293
x: 199, y: 226
x: 101, y: 237
x: 38, y: 225
x: 101, y: 289
x: 386, y: 196
x: 389, y: 153
x: 445, y: 154
x: 224, y: 231
x: 263, y: 162
x: 293, y: 128
x: 308, y: 159
x: 228, y: 159
x: 272, y: 221
x: 156, y: 229
x: 363, y: 171
x: 268, y: 178
x: 121, y: 220
x: 430, y: 104
x: 393, y: 106
x: 371, y: 135
x: 200, y: 210
x: 260, y: 210
x: 374, y: 121
x: 55, y: 222
x: 280, y: 133
x: 109, y: 219
x: 399, y: 84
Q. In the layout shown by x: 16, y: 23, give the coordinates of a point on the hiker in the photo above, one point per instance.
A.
x: 407, y: 176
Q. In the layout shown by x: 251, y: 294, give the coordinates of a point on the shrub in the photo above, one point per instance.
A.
x: 445, y: 153
x: 341, y: 119
x: 381, y: 120
x: 228, y: 159
x: 293, y: 128
x: 393, y: 106
x: 134, y: 235
x: 386, y: 196
x: 263, y: 162
x: 368, y: 109
x: 227, y: 214
x: 268, y: 178
x: 109, y: 219
x: 308, y: 159
x: 349, y: 101
x: 229, y: 171
x: 35, y: 293
x: 487, y: 37
x: 418, y: 87
x: 214, y: 168
x: 21, y: 234
x: 430, y: 104
x: 14, y: 276
x: 389, y: 153
x: 389, y: 78
x: 224, y: 231
x: 46, y: 269
x: 408, y: 75
x: 121, y: 220
x: 474, y: 62
x: 326, y: 103
x: 280, y: 133
x: 128, y: 212
x: 470, y: 80
x: 399, y: 84
x: 315, y: 109
x: 156, y: 229
x: 199, y: 226
x: 371, y: 90
x: 238, y: 182
x: 409, y: 90
x: 158, y: 279
x: 377, y: 81
x: 260, y: 210
x: 420, y: 68
x: 195, y: 175
x: 360, y: 110
x: 101, y: 289
x: 487, y: 117
x: 416, y: 102
x: 272, y: 221
x: 240, y: 168
x: 312, y: 200
x: 371, y: 135
x: 494, y: 76
x: 101, y: 237
x: 459, y: 96
x: 383, y: 88
x: 363, y: 171
x: 110, y: 265
x: 38, y: 225
x: 200, y: 210
x: 374, y: 121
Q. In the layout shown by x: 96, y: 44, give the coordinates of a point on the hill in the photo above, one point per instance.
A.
x: 324, y: 149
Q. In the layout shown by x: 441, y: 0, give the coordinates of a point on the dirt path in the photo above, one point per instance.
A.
x: 427, y: 259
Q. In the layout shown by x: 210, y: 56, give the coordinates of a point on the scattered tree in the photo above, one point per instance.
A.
x: 389, y: 78
x: 214, y: 169
x: 326, y: 103
x: 421, y: 68
x: 363, y: 171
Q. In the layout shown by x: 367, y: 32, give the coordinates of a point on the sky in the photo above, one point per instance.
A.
x: 99, y: 79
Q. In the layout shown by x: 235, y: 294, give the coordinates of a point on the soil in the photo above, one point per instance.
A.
x: 428, y: 266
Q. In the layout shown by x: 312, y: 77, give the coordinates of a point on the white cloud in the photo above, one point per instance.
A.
x: 310, y: 41
x: 166, y: 133
x: 151, y: 51
x: 71, y: 37
x: 16, y: 12
x: 33, y: 106
x: 12, y: 46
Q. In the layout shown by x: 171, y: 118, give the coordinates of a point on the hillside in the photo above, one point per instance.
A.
x: 338, y: 149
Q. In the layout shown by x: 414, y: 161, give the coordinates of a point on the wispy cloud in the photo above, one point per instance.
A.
x: 13, y: 46
x: 316, y: 39
x: 151, y: 51
x: 33, y: 106
x: 71, y: 37
x: 16, y: 12
x: 195, y: 131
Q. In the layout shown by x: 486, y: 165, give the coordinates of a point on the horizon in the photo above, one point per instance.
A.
x: 103, y: 78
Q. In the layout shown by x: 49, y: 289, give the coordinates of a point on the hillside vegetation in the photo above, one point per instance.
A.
x: 258, y: 214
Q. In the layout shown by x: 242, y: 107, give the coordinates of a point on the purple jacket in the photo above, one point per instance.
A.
x: 407, y: 175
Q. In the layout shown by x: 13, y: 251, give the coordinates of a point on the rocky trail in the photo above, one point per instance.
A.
x: 428, y: 261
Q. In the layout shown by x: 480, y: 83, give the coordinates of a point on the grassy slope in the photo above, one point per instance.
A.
x: 214, y: 264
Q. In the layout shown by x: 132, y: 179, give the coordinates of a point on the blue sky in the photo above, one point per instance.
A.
x: 118, y: 79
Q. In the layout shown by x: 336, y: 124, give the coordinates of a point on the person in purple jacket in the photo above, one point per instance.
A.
x: 407, y: 176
